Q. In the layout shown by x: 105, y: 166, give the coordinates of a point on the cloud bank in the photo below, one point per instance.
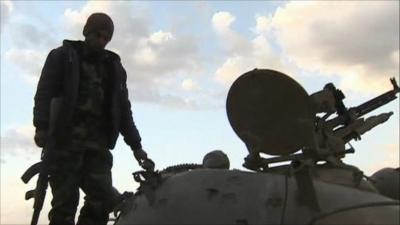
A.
x: 28, y: 61
x: 18, y: 142
x: 359, y: 41
x: 356, y: 41
x: 244, y: 54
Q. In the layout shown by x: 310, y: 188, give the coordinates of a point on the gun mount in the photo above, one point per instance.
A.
x: 274, y: 115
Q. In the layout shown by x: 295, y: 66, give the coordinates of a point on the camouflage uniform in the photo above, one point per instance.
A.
x: 89, y: 170
x: 85, y: 162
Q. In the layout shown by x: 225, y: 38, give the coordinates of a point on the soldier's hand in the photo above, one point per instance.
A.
x: 41, y: 137
x: 146, y: 163
x: 139, y: 154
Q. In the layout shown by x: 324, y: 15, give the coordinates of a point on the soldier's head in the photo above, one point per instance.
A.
x: 98, y: 31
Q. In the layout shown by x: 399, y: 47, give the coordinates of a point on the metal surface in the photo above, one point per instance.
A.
x: 215, y: 196
x: 270, y: 112
x: 387, y: 181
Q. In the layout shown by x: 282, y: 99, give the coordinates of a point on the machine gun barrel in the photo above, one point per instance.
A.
x: 347, y: 116
x: 376, y: 102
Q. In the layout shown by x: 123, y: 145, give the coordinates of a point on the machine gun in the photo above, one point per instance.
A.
x: 331, y: 94
x: 42, y: 167
x: 274, y: 115
x: 334, y: 133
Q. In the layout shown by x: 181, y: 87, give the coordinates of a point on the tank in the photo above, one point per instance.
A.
x: 302, y: 181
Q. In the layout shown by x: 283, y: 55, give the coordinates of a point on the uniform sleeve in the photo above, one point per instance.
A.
x: 47, y: 88
x: 128, y: 127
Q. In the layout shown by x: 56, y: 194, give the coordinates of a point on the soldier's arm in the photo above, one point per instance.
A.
x: 47, y: 88
x: 128, y: 127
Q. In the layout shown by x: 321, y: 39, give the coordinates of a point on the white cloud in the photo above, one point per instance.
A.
x: 145, y: 56
x: 29, y: 62
x: 222, y: 21
x: 263, y: 25
x: 190, y: 85
x: 390, y: 159
x: 233, y: 43
x: 357, y: 40
x: 160, y: 37
x: 232, y: 68
x: 7, y: 8
x: 244, y: 54
x: 19, y: 141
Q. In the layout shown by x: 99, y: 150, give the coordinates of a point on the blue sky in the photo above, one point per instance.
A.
x: 182, y: 57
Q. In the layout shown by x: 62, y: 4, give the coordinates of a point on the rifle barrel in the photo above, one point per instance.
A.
x: 35, y: 217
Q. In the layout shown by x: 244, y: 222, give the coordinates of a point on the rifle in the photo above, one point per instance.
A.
x: 42, y: 167
x: 333, y: 134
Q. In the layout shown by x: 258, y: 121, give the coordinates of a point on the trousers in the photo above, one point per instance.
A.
x: 81, y: 168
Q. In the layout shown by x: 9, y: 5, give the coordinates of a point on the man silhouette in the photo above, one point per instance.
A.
x: 91, y: 82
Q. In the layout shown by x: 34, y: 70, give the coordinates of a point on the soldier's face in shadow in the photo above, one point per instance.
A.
x: 96, y: 41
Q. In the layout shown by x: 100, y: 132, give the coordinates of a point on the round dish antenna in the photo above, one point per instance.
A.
x: 270, y: 112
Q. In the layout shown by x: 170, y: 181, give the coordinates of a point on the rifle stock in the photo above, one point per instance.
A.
x: 31, y: 172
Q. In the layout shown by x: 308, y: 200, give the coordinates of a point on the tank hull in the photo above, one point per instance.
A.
x: 212, y: 196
